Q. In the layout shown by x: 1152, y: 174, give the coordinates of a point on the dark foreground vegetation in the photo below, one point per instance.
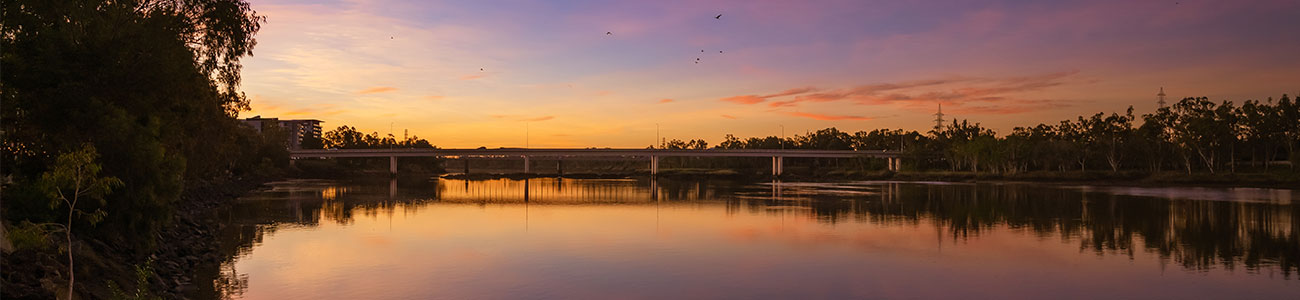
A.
x: 114, y: 113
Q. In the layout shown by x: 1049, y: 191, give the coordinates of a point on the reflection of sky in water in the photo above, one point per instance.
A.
x: 584, y: 239
x: 1241, y: 194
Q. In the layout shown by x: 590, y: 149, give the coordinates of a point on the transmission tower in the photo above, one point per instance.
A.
x: 1161, y: 103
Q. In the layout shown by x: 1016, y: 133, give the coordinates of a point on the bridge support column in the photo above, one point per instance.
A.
x: 559, y: 167
x: 778, y: 165
x: 392, y: 165
x: 654, y: 165
x: 466, y: 159
x: 526, y: 164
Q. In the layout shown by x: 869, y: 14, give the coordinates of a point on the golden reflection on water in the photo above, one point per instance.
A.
x: 570, y: 238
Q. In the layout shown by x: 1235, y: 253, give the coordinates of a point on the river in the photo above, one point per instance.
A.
x: 548, y: 238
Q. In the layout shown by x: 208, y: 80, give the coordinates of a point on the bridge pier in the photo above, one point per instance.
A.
x: 778, y: 165
x: 559, y: 166
x: 654, y: 165
x: 392, y: 165
x: 526, y: 164
x: 466, y: 159
x: 894, y: 163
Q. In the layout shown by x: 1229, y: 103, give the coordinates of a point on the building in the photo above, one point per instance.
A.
x: 296, y: 130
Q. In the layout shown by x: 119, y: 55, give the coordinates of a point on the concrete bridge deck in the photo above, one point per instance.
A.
x: 777, y: 155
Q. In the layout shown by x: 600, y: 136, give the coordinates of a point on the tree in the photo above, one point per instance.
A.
x: 152, y: 83
x: 75, y: 176
x: 1111, y: 134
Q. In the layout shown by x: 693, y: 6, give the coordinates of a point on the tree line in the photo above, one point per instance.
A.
x: 1192, y: 135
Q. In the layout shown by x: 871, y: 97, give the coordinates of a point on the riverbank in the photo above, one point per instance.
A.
x: 182, y: 246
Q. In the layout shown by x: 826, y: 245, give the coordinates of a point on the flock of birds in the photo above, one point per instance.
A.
x: 697, y: 59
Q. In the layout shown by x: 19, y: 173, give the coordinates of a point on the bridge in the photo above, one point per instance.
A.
x: 778, y: 155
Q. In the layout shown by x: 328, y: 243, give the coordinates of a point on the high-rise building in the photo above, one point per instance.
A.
x: 296, y: 130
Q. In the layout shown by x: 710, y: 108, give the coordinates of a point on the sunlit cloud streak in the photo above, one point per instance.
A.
x: 378, y: 89
x: 822, y: 117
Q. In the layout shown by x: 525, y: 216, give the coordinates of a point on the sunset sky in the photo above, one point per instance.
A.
x: 805, y: 65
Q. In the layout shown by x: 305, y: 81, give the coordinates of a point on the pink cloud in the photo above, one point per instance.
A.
x: 666, y: 100
x: 378, y: 89
x: 729, y: 117
x: 828, y: 117
x: 994, y: 95
x: 746, y: 99
x: 755, y: 99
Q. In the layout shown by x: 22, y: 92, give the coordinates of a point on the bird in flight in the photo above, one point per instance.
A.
x: 608, y: 33
x: 480, y: 69
x: 719, y: 17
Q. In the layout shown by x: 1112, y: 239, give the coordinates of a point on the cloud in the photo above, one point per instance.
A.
x: 538, y: 119
x: 979, y: 95
x: 729, y: 117
x: 666, y: 100
x: 828, y: 117
x: 755, y: 99
x: 378, y: 89
x: 746, y: 99
x: 522, y: 118
x: 793, y: 91
x: 434, y: 97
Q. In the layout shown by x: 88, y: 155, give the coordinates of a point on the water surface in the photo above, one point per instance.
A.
x: 590, y: 238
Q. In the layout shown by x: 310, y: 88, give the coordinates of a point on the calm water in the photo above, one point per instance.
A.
x: 602, y: 239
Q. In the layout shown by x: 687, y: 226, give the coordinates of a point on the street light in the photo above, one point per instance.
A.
x: 782, y: 141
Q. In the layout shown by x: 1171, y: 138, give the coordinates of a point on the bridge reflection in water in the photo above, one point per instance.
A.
x: 1256, y: 230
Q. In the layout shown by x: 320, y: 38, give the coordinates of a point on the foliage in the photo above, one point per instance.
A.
x: 1194, y: 134
x: 142, y: 274
x: 75, y: 176
x: 152, y: 84
x: 345, y: 137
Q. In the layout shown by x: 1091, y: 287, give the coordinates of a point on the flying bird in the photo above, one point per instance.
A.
x: 480, y: 69
x: 608, y: 33
x: 719, y: 17
x: 719, y: 51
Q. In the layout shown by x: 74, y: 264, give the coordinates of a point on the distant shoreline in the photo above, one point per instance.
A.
x: 1128, y: 178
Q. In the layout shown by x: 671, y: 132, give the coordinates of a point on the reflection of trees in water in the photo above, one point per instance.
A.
x: 229, y: 282
x: 1194, y: 234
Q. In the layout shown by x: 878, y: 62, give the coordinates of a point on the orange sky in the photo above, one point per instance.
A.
x: 477, y: 73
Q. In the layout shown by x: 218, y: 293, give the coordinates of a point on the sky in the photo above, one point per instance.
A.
x: 549, y: 74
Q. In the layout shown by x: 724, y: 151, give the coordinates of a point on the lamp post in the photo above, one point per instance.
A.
x: 782, y: 141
